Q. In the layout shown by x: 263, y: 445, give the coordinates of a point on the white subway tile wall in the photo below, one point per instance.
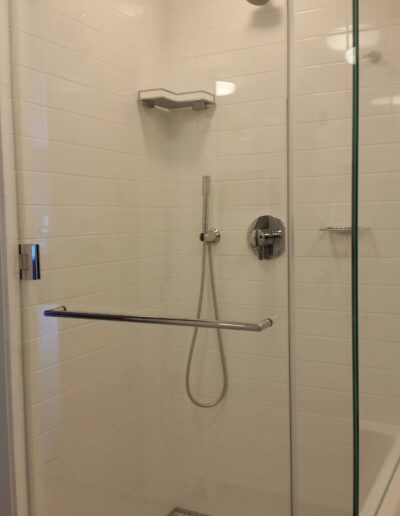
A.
x: 94, y: 193
x: 112, y: 192
x: 321, y: 180
x: 234, y: 457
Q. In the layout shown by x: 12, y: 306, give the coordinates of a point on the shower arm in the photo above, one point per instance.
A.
x: 206, y: 200
x: 63, y: 312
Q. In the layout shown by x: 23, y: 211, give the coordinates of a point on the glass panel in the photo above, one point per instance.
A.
x: 321, y: 77
x: 379, y: 283
x: 112, y: 192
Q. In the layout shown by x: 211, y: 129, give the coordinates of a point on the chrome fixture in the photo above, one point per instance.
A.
x: 212, y: 236
x: 258, y: 2
x: 340, y: 229
x: 29, y: 261
x: 208, y: 237
x: 165, y: 99
x: 266, y: 236
x: 63, y: 313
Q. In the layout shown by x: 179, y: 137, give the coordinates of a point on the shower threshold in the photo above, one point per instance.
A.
x: 178, y: 511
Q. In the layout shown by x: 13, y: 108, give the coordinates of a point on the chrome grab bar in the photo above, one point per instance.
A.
x: 63, y: 312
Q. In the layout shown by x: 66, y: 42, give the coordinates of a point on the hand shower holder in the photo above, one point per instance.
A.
x: 211, y: 236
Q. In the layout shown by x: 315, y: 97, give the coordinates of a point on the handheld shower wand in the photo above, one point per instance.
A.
x: 208, y: 237
x: 206, y: 191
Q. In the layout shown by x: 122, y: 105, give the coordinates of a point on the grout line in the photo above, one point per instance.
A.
x: 195, y: 184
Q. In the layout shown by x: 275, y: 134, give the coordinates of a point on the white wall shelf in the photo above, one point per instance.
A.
x: 165, y: 99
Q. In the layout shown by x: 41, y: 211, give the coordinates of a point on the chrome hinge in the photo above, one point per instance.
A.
x: 29, y: 261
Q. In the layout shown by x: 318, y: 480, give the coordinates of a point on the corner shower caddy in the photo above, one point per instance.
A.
x: 166, y: 99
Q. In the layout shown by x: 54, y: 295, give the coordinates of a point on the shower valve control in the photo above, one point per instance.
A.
x: 266, y: 236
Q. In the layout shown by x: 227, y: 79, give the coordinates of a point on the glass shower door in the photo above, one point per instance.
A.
x: 379, y: 261
x: 111, y: 190
x: 320, y: 260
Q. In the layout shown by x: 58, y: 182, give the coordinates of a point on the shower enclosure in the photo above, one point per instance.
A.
x: 199, y: 221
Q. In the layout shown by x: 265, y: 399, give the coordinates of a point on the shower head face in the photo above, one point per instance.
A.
x: 258, y: 2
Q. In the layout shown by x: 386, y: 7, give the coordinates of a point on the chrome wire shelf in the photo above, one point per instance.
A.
x: 63, y: 312
x: 340, y: 229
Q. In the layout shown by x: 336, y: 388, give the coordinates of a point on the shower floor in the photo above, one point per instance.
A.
x: 178, y: 511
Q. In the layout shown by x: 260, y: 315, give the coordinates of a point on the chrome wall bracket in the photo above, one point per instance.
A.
x: 29, y: 261
x: 266, y: 237
x: 212, y: 236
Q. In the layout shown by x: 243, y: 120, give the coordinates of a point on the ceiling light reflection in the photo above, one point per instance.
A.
x: 224, y: 88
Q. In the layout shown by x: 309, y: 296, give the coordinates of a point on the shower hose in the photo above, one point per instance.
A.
x: 207, y: 252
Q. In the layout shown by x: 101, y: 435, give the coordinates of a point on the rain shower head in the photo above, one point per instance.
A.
x: 258, y: 2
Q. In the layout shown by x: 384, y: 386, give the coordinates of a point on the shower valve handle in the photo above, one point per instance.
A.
x: 266, y: 237
x: 265, y: 240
